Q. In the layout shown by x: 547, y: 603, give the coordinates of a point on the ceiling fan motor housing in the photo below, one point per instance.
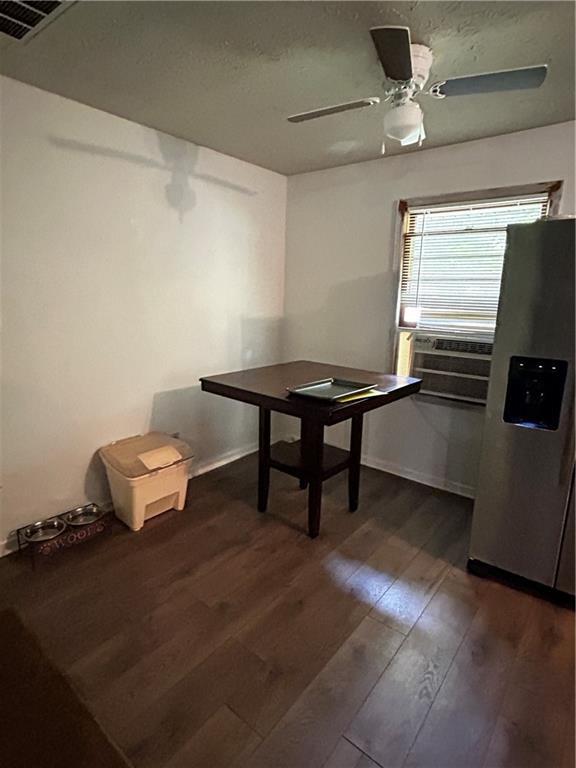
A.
x: 421, y: 62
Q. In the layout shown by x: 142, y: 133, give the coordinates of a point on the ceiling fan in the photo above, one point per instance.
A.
x: 406, y: 67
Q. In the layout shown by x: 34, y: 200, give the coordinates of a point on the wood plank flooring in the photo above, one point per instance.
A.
x: 218, y: 637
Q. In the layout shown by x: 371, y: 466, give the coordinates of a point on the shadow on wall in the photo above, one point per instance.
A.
x: 179, y: 160
x: 216, y: 427
x: 261, y: 340
x: 96, y: 485
x: 451, y: 435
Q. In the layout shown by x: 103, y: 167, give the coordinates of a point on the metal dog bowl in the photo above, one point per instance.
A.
x: 83, y: 515
x: 44, y: 530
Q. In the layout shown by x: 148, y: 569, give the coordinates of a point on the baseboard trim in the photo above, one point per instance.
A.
x: 460, y: 489
x: 418, y: 477
x: 202, y: 467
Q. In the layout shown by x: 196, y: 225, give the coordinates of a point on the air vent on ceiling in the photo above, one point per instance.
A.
x: 18, y: 19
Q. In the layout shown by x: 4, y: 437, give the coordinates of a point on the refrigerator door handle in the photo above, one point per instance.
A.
x: 567, y: 459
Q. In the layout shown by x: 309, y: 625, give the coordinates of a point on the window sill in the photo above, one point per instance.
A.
x: 473, y: 335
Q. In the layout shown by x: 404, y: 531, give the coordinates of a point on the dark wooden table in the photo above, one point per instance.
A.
x: 309, y: 459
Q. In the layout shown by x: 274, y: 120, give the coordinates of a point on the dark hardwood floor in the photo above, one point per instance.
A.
x: 218, y: 636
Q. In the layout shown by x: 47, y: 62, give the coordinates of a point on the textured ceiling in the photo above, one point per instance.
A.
x: 226, y: 74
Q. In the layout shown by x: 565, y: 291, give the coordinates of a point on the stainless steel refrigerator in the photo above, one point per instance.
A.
x: 523, y: 523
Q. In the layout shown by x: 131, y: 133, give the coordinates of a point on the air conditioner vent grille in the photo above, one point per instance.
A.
x: 465, y: 366
x: 18, y: 19
x: 464, y: 345
x: 452, y: 368
x: 454, y: 388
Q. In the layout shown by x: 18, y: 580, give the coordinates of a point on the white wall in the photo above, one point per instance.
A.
x: 341, y: 281
x: 132, y: 264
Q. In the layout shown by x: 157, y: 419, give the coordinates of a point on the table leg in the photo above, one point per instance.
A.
x: 263, y: 459
x: 303, y: 443
x: 354, y: 469
x: 313, y: 453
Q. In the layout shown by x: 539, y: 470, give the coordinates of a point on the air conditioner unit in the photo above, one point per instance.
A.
x: 451, y: 368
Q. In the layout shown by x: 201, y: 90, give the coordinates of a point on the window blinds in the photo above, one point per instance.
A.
x: 452, y: 262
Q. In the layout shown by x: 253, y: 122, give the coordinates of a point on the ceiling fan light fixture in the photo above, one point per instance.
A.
x: 415, y: 138
x: 404, y: 123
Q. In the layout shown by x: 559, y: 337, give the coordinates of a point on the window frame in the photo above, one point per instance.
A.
x: 552, y: 188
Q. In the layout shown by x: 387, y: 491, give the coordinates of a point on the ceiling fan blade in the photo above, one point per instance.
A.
x: 393, y: 48
x: 492, y: 82
x: 314, y: 113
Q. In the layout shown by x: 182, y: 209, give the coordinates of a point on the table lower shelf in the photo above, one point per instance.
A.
x: 286, y: 457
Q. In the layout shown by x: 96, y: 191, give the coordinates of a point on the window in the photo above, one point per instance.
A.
x: 452, y: 261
